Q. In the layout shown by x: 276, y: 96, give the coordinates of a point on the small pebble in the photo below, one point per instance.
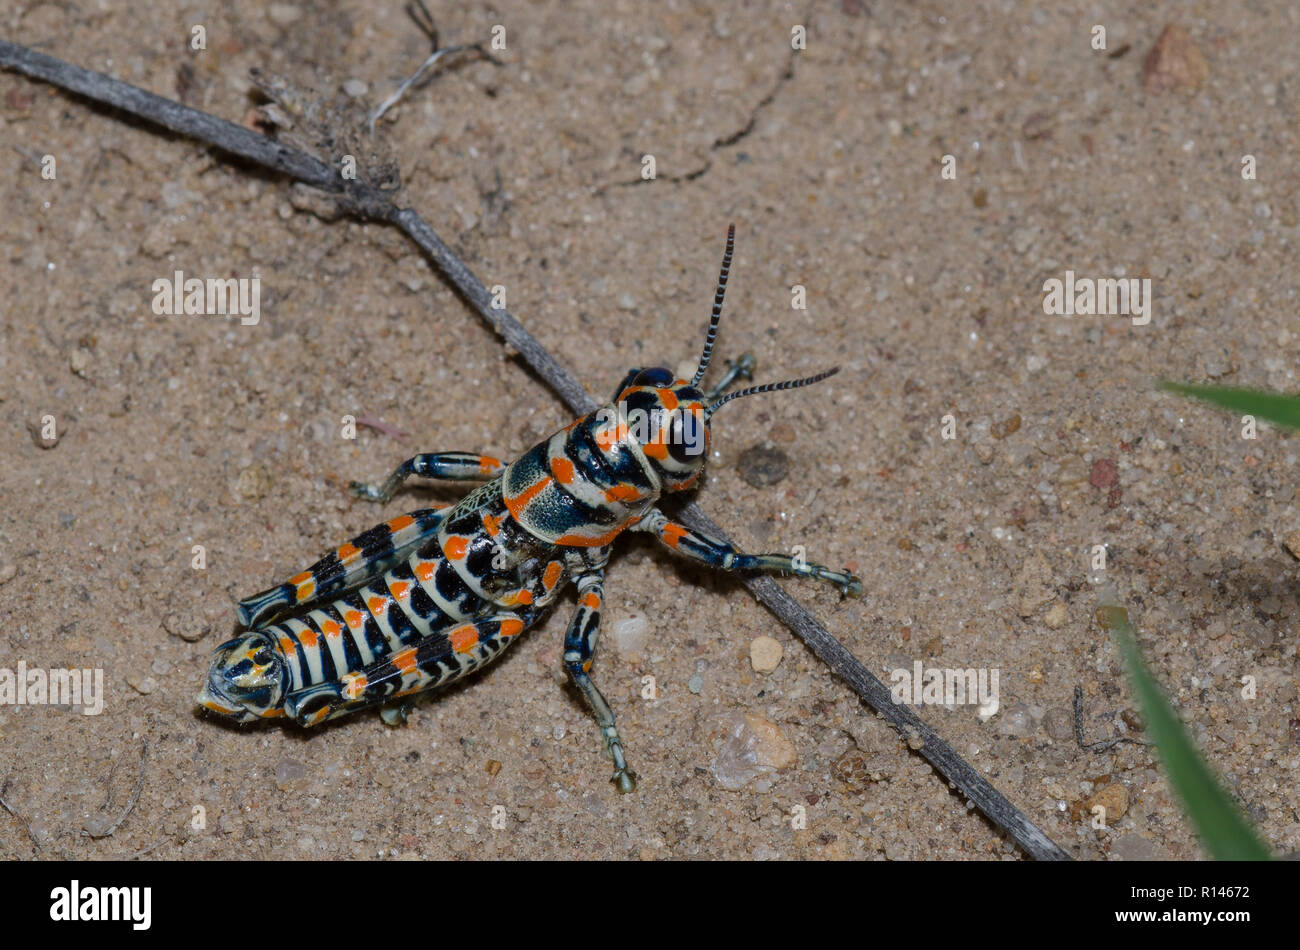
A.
x: 253, y: 482
x: 858, y: 772
x: 1035, y: 585
x: 38, y: 432
x: 762, y: 467
x: 194, y: 621
x: 1056, y: 616
x: 358, y: 835
x: 1059, y: 724
x: 594, y: 806
x: 755, y: 746
x: 355, y: 88
x: 144, y: 686
x: 1175, y: 62
x: 1133, y: 847
x: 695, y: 684
x: 1292, y: 543
x: 1038, y: 125
x: 765, y: 654
x: 289, y: 772
x: 1005, y: 427
x: 8, y: 571
x: 1017, y: 722
x: 1104, y: 473
x: 283, y: 14
x: 630, y: 633
x: 1022, y: 239
x: 1113, y: 798
x: 97, y: 826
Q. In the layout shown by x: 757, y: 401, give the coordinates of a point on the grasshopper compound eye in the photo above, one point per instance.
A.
x: 655, y: 376
x: 688, y: 438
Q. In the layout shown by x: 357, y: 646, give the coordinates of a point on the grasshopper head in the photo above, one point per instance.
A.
x: 673, y: 414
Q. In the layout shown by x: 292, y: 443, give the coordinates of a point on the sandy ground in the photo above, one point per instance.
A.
x: 178, y: 431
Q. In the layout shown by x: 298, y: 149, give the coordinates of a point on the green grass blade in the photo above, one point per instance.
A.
x: 1224, y: 830
x: 1277, y: 408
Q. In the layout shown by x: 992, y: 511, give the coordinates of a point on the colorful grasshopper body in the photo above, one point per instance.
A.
x: 419, y: 601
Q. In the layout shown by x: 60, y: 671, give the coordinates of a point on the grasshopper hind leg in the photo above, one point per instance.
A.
x: 365, y: 556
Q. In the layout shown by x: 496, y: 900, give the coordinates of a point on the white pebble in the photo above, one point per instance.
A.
x: 630, y: 634
x: 765, y: 654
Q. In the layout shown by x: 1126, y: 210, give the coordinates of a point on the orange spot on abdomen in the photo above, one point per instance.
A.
x: 463, y: 639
